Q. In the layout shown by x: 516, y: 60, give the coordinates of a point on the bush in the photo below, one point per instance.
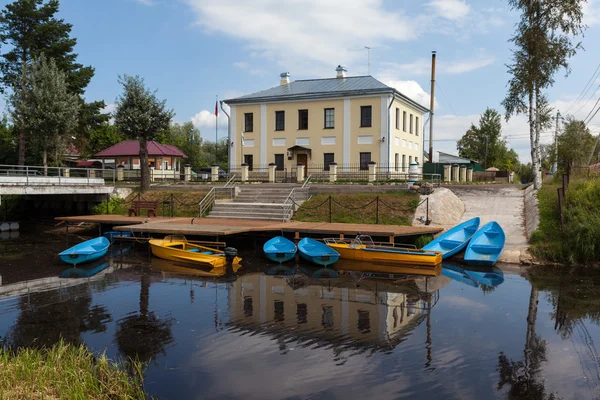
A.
x: 115, y: 206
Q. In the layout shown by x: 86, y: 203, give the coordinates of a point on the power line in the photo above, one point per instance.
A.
x: 588, y: 100
x: 445, y: 98
x: 586, y: 89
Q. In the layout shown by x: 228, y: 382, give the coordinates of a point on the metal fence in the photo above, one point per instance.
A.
x: 40, y: 175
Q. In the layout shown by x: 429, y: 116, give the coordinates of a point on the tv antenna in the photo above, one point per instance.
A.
x: 369, y: 58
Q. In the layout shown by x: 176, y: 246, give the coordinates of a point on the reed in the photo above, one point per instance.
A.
x: 66, y: 371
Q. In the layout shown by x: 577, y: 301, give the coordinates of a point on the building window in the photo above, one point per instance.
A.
x: 327, y: 317
x: 366, y: 114
x: 248, y: 306
x: 417, y: 126
x: 279, y: 162
x: 328, y: 159
x: 397, y: 118
x: 404, y: 121
x: 302, y: 313
x: 403, y: 162
x: 417, y: 160
x: 409, y: 160
x: 365, y: 159
x: 279, y: 311
x: 279, y: 120
x: 248, y: 160
x: 329, y: 118
x: 397, y: 162
x: 248, y: 122
x: 302, y: 119
x: 364, y: 321
x: 411, y: 123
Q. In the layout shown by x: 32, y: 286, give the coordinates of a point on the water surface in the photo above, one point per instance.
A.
x: 299, y: 332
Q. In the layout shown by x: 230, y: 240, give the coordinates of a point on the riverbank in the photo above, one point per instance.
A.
x: 578, y: 240
x: 66, y: 371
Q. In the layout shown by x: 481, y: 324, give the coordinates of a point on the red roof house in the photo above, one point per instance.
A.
x: 160, y: 156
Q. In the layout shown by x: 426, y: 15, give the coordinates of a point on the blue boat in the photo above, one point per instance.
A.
x: 280, y: 270
x: 77, y: 272
x: 112, y: 235
x: 317, y: 252
x: 458, y: 274
x: 486, y: 245
x: 454, y: 240
x: 319, y: 273
x: 280, y: 249
x: 486, y: 276
x: 85, y: 252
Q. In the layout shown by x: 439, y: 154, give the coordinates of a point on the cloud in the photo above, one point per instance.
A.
x: 205, y: 121
x: 450, y: 9
x: 591, y: 12
x: 411, y: 89
x: 249, y: 68
x: 145, y: 2
x: 422, y: 66
x: 110, y: 108
x: 305, y: 32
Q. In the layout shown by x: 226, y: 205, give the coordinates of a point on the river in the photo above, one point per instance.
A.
x: 300, y: 332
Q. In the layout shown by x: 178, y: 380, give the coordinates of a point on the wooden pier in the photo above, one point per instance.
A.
x: 227, y: 227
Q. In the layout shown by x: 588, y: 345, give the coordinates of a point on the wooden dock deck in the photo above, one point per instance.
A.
x: 226, y: 227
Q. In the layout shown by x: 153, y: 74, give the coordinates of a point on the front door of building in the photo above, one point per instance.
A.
x: 302, y: 159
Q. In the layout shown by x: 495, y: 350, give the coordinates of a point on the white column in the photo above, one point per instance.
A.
x: 346, y: 128
x: 300, y: 173
x: 233, y: 134
x: 263, y: 135
x: 332, y: 172
x: 383, y: 139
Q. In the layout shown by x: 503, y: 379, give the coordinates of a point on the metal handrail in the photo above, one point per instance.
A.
x: 231, y: 180
x: 288, y: 205
x: 209, y: 199
x: 307, y: 182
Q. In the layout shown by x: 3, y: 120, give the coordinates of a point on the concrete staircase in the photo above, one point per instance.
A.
x: 259, y: 202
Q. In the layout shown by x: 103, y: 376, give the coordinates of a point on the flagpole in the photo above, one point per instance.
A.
x: 216, y: 129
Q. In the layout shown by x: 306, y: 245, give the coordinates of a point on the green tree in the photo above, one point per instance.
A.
x: 92, y: 122
x: 29, y: 28
x: 8, y: 143
x: 484, y: 143
x: 45, y: 108
x: 543, y: 44
x: 187, y: 138
x: 140, y: 115
x: 102, y: 137
x: 574, y: 144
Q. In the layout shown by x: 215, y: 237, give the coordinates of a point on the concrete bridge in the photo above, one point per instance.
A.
x: 36, y: 180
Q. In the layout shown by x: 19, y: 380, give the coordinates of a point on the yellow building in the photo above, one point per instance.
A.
x: 349, y: 121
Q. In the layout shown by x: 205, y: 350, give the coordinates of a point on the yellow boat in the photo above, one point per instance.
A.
x: 362, y: 248
x: 387, y: 271
x: 176, y: 268
x: 177, y: 248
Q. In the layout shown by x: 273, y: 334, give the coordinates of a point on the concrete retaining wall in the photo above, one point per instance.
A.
x: 532, y: 211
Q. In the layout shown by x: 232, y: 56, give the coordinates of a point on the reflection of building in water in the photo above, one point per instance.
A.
x: 374, y: 313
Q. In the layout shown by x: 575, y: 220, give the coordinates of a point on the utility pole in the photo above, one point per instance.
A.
x: 555, y: 163
x: 431, y: 104
x: 368, y: 60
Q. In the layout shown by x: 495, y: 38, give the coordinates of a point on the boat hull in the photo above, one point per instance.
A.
x: 183, y: 251
x: 455, y: 239
x: 317, y: 252
x: 486, y: 245
x: 85, y: 252
x: 392, y: 270
x: 387, y: 256
x: 112, y: 235
x: 280, y: 249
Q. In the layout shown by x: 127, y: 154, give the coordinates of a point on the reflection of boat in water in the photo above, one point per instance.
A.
x: 458, y: 274
x: 454, y: 240
x: 85, y: 272
x: 474, y: 276
x: 388, y: 271
x: 319, y: 273
x: 362, y: 248
x: 180, y: 268
x: 116, y: 252
x: 177, y: 248
x: 280, y: 270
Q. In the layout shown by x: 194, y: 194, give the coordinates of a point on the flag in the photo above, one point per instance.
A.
x: 216, y: 108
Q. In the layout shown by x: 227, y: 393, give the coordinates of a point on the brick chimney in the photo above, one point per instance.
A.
x: 284, y: 78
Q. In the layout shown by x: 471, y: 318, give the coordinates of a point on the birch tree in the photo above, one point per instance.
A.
x: 543, y: 43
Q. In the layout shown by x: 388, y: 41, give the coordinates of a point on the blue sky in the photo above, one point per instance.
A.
x: 194, y: 50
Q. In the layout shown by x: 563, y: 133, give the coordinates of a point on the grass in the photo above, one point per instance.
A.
x: 186, y: 202
x: 66, y: 371
x: 578, y: 241
x: 360, y: 208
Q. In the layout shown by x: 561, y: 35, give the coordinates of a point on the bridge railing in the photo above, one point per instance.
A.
x: 34, y: 174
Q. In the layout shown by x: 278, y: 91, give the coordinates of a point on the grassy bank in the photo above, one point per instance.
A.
x: 360, y: 208
x: 66, y: 372
x: 579, y: 239
x: 185, y: 202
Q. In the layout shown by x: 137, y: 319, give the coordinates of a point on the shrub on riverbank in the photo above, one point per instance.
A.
x: 186, y: 203
x: 360, y: 208
x: 66, y: 371
x: 579, y: 239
